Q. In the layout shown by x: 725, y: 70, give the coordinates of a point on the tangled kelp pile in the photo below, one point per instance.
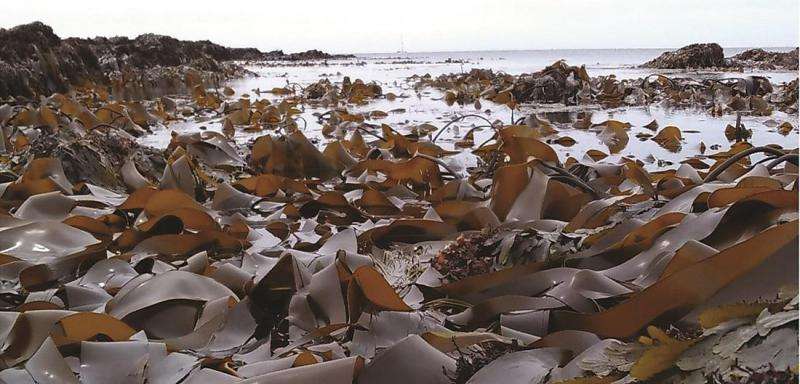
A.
x: 571, y: 85
x: 372, y: 258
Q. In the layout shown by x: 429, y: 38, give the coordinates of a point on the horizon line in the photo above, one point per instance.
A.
x: 266, y: 50
x: 566, y: 49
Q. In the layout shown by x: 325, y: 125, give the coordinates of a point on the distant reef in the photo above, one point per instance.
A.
x: 691, y: 56
x: 759, y: 58
x: 711, y: 55
x: 35, y: 61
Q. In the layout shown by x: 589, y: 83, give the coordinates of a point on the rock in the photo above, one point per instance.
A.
x: 313, y: 55
x: 19, y: 44
x: 35, y: 61
x: 761, y: 59
x: 708, y: 55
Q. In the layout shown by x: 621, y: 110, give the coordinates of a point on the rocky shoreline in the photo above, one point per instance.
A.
x: 316, y: 231
x: 34, y: 61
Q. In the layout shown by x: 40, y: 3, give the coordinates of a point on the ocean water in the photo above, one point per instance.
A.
x: 621, y: 62
x: 391, y: 67
x: 392, y: 72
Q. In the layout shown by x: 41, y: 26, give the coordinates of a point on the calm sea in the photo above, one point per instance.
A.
x: 621, y: 62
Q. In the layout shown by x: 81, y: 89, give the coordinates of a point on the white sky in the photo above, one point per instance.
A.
x: 430, y: 25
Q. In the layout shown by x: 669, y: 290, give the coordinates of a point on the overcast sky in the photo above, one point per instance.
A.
x: 425, y: 25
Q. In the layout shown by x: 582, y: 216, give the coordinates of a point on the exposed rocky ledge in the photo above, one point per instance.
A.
x: 312, y: 54
x: 711, y: 55
x: 761, y: 59
x: 35, y: 61
x: 708, y: 55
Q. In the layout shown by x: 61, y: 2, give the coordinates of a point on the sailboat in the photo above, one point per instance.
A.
x: 402, y: 46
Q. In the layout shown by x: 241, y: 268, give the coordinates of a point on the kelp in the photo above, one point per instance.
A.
x: 373, y: 254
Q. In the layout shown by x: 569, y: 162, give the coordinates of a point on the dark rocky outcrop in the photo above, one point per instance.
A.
x: 761, y: 59
x: 35, y: 61
x: 312, y: 54
x: 708, y: 55
x: 711, y: 55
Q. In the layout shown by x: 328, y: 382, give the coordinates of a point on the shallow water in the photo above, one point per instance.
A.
x: 620, y: 62
x: 391, y: 71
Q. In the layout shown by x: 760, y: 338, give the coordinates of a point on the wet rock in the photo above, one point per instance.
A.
x: 151, y: 50
x: 312, y: 54
x: 20, y: 43
x: 35, y: 61
x: 761, y: 59
x: 709, y: 55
